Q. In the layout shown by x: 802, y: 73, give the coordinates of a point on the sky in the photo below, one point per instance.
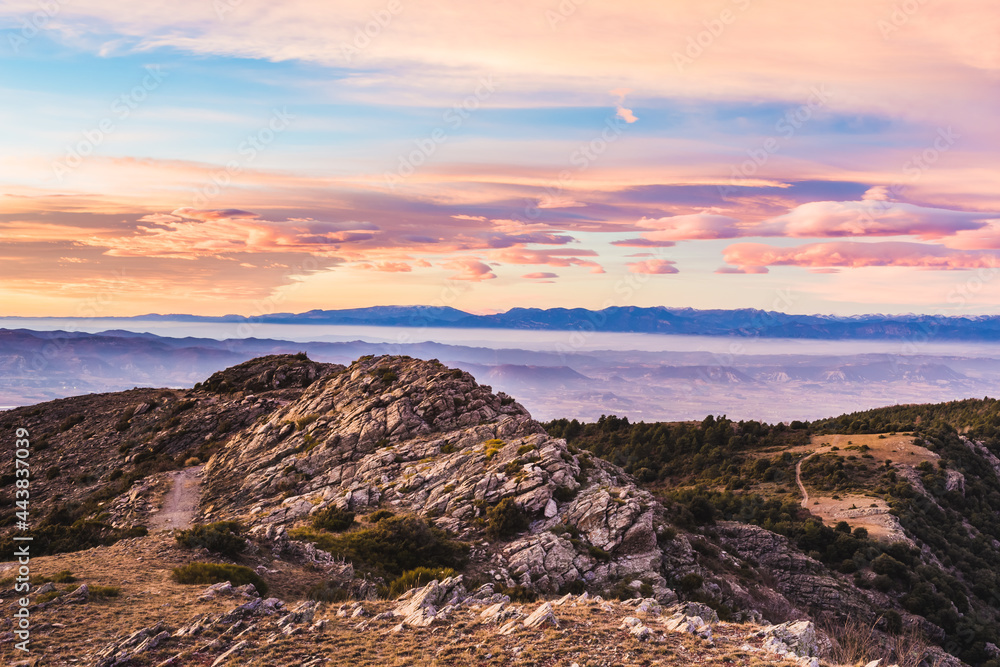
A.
x: 249, y: 157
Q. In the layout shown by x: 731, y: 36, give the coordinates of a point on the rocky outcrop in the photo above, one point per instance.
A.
x: 416, y: 437
x: 794, y: 640
x: 805, y: 582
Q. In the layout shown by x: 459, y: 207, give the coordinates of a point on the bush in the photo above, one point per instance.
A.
x: 302, y: 422
x: 102, y: 592
x: 328, y: 591
x: 223, y: 537
x: 55, y: 538
x: 505, y: 519
x: 332, y: 519
x: 689, y: 583
x: 517, y: 593
x: 378, y: 515
x: 415, y: 578
x: 576, y: 587
x: 598, y: 553
x: 392, y: 546
x: 564, y: 494
x: 70, y: 422
x: 60, y: 577
x: 213, y: 573
x: 887, y: 565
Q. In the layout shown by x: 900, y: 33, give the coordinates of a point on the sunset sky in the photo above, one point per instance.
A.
x: 241, y: 156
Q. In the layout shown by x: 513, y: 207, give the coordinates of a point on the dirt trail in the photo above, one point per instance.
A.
x: 180, y: 503
x: 798, y: 475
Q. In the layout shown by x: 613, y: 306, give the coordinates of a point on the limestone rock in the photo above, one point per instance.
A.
x: 799, y: 639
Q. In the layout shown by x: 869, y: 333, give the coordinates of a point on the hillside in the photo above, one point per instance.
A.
x: 351, y: 484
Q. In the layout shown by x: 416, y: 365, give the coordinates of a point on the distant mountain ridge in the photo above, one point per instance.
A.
x: 746, y: 322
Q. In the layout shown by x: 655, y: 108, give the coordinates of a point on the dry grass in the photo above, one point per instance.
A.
x: 896, y: 448
x: 856, y: 643
x: 589, y: 634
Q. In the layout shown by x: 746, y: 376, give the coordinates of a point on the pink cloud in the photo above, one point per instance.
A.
x: 620, y: 110
x: 549, y: 257
x: 542, y: 275
x: 213, y: 214
x: 751, y: 257
x: 470, y: 269
x: 210, y: 234
x: 387, y: 267
x: 643, y: 243
x: 742, y: 269
x: 986, y: 237
x: 692, y: 226
x: 831, y: 219
x: 654, y: 267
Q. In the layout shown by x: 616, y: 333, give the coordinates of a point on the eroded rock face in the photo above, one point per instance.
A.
x: 804, y: 581
x: 415, y: 437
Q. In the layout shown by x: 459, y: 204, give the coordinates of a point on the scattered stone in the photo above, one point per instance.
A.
x: 541, y: 616
x: 231, y: 652
x: 795, y: 639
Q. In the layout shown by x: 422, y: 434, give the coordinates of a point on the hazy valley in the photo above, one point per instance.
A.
x: 555, y: 374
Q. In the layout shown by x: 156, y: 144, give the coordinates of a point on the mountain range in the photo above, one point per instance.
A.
x: 745, y: 322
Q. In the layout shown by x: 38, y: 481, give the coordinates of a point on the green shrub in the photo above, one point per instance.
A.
x: 302, y: 422
x: 576, y: 587
x: 378, y: 515
x: 565, y: 494
x: 505, y: 519
x: 887, y: 565
x: 517, y: 593
x: 61, y: 577
x: 565, y: 529
x: 415, y: 578
x: 892, y: 621
x: 70, y: 422
x: 51, y: 595
x: 689, y: 583
x: 328, y: 591
x: 223, y: 537
x: 55, y: 538
x: 392, y: 546
x: 102, y: 592
x: 598, y: 553
x: 213, y: 573
x: 882, y: 583
x: 524, y: 449
x: 332, y: 519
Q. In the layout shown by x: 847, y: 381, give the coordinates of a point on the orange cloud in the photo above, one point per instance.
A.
x: 549, y: 257
x: 213, y: 233
x: 751, y: 257
x: 470, y: 269
x: 387, y: 267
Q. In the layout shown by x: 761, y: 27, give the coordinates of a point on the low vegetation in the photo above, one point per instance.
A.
x: 222, y: 537
x: 213, y: 573
x: 391, y: 545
